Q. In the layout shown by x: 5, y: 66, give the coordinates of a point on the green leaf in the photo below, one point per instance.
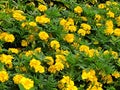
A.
x: 53, y: 12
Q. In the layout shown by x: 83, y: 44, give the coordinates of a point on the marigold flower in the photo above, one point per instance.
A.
x: 42, y: 8
x: 108, y: 3
x: 7, y: 59
x: 97, y: 17
x: 24, y: 24
x: 117, y: 32
x: 27, y: 83
x: 33, y: 24
x: 38, y: 49
x: 101, y: 6
x: 115, y: 54
x: 52, y: 69
x: 66, y: 84
x: 29, y: 53
x: 49, y: 60
x: 33, y: 63
x: 109, y: 24
x: 54, y: 44
x: 111, y: 14
x: 108, y: 31
x: 9, y: 38
x: 39, y: 68
x: 62, y: 22
x: 83, y: 18
x: 42, y: 19
x: 82, y: 32
x: 118, y: 20
x: 18, y: 15
x: 17, y: 78
x: 59, y: 66
x: 85, y: 26
x: 3, y: 76
x: 13, y: 50
x: 116, y: 74
x: 69, y: 38
x: 84, y: 48
x: 72, y: 28
x: 108, y: 79
x: 78, y: 10
x: 24, y: 43
x: 43, y: 35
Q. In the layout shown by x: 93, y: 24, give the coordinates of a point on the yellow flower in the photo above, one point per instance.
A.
x: 9, y: 38
x: 24, y: 43
x: 111, y: 14
x: 118, y: 20
x: 108, y: 3
x: 114, y: 3
x: 2, y: 35
x: 3, y: 76
x: 42, y: 19
x: 63, y: 22
x: 17, y: 78
x: 78, y: 10
x: 98, y: 24
x: 43, y: 35
x: 42, y: 8
x: 24, y: 24
x: 69, y: 87
x: 38, y: 49
x: 117, y: 32
x: 97, y: 17
x: 59, y: 66
x: 39, y: 68
x: 67, y: 80
x: 27, y: 83
x: 85, y: 74
x: 101, y: 6
x: 18, y: 16
x: 82, y: 32
x: 13, y: 50
x: 52, y: 69
x: 29, y: 53
x: 108, y: 31
x: 49, y: 60
x: 93, y: 52
x: 108, y: 79
x: 83, y: 18
x: 54, y: 44
x: 60, y: 58
x: 33, y: 24
x: 7, y: 59
x: 85, y: 26
x: 69, y: 38
x: 33, y: 63
x: 72, y: 28
x: 84, y: 48
x: 116, y: 74
x: 115, y: 54
x: 109, y: 24
x: 106, y: 52
x: 71, y: 21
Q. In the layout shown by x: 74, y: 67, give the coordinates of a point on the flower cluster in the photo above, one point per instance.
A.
x: 36, y: 65
x: 25, y: 82
x: 7, y: 37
